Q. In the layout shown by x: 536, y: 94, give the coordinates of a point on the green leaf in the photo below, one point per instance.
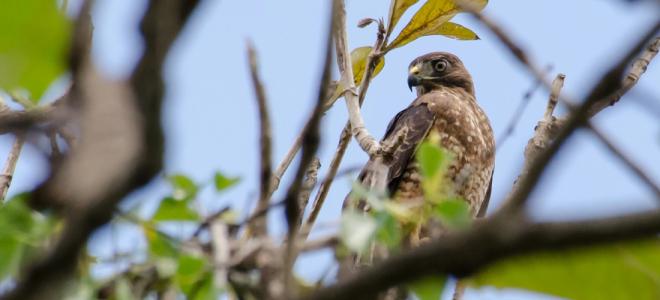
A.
x: 22, y: 233
x: 34, y: 44
x: 616, y: 271
x: 159, y: 246
x: 206, y: 289
x: 397, y: 9
x: 184, y: 187
x: 432, y: 159
x: 389, y: 230
x: 10, y: 255
x: 455, y: 31
x: 171, y: 209
x: 189, y: 272
x: 454, y: 213
x: 428, y: 20
x: 223, y: 182
x: 429, y: 288
x: 357, y: 230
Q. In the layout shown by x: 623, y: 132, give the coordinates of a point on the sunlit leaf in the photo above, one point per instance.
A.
x: 389, y: 231
x: 223, y: 182
x: 171, y: 209
x: 357, y: 230
x: 454, y: 213
x: 33, y: 47
x: 206, y: 289
x: 184, y: 187
x: 159, y: 246
x: 397, y: 9
x: 432, y: 159
x: 428, y: 288
x: 359, y: 58
x: 616, y: 271
x: 10, y: 255
x: 189, y: 271
x: 428, y: 19
x: 455, y: 31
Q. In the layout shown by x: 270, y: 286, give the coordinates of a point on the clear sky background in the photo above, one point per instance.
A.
x: 211, y: 115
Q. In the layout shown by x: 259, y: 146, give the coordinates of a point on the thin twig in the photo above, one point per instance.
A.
x: 517, y: 115
x: 259, y: 226
x: 220, y: 242
x: 311, y: 140
x: 311, y: 176
x: 10, y: 165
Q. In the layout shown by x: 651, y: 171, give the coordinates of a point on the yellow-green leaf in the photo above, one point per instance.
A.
x: 397, y: 9
x: 359, y: 61
x: 428, y: 19
x: 359, y: 58
x: 35, y: 35
x: 429, y: 288
x: 455, y: 31
x: 617, y: 271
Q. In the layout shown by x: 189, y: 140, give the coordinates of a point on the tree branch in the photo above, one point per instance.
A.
x: 10, y: 165
x: 259, y: 227
x: 488, y: 241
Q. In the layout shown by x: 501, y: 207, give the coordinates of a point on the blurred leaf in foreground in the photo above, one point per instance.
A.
x: 33, y: 48
x: 617, y: 271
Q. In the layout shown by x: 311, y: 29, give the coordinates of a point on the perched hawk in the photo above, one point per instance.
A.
x: 446, y: 107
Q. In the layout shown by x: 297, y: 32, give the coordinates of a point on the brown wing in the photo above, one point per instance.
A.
x: 409, y: 128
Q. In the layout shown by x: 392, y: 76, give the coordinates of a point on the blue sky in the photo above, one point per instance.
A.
x: 211, y: 116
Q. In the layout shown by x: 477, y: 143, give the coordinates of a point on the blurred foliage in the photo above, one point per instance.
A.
x: 615, y: 271
x: 23, y: 234
x: 35, y: 35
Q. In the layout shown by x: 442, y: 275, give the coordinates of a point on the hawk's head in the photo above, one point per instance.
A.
x: 438, y: 69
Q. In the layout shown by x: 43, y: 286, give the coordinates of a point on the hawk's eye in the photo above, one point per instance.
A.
x: 440, y: 65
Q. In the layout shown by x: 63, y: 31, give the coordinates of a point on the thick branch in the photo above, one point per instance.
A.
x: 488, y: 241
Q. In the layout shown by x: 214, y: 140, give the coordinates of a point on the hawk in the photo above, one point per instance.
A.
x: 446, y: 108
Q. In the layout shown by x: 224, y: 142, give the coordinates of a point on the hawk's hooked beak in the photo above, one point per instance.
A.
x: 413, y: 77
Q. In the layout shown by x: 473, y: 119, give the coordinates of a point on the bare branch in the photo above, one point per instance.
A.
x: 220, y: 242
x: 638, y: 68
x: 311, y: 140
x: 311, y: 176
x: 367, y: 142
x: 259, y: 227
x: 517, y: 115
x: 488, y: 241
x: 557, y: 85
x: 344, y: 140
x: 10, y: 165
